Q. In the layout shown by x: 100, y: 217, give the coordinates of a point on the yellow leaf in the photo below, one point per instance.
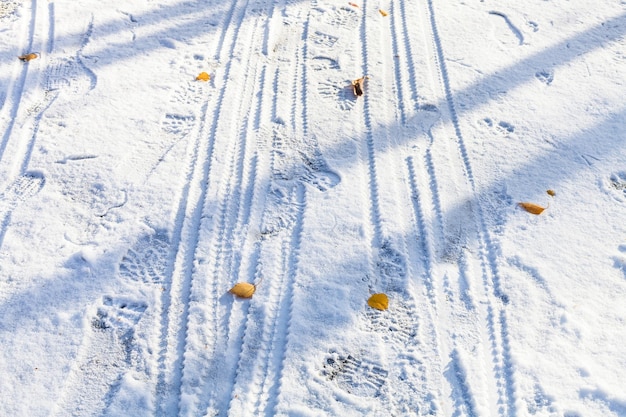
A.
x: 243, y: 290
x: 532, y: 208
x: 357, y: 86
x: 384, y: 13
x: 28, y: 57
x: 551, y: 193
x: 378, y: 301
x: 203, y: 76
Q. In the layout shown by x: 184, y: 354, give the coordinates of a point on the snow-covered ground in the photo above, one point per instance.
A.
x: 133, y: 197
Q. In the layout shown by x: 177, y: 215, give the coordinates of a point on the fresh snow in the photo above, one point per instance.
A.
x: 133, y: 197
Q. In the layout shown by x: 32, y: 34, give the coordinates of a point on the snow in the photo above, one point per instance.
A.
x: 133, y: 197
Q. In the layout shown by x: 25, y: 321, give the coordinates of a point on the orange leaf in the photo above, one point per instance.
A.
x: 243, y: 290
x: 28, y: 57
x: 384, y: 13
x: 532, y: 208
x: 203, y: 76
x: 379, y: 301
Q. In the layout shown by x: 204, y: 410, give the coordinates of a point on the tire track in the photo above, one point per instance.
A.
x: 399, y: 234
x: 259, y: 371
x: 172, y: 387
x: 21, y: 79
x: 210, y: 260
x: 494, y: 314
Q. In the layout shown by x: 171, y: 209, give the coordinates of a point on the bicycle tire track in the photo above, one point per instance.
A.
x: 402, y: 256
x: 496, y: 300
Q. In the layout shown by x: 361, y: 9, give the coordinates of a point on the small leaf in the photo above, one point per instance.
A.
x: 203, y: 76
x: 382, y: 12
x: 28, y: 57
x: 353, y: 4
x: 551, y: 193
x: 243, y: 290
x: 357, y: 86
x: 379, y: 301
x: 532, y: 208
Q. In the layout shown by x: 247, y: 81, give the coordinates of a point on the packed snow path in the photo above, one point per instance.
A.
x: 134, y: 196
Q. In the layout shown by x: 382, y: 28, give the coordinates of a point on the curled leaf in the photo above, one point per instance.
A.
x: 382, y: 12
x: 28, y: 57
x: 379, y: 301
x: 243, y: 290
x: 532, y: 208
x: 358, y: 85
x: 551, y: 193
x: 203, y: 76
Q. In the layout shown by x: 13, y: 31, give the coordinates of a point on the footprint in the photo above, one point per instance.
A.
x: 21, y: 189
x: 178, y: 125
x: 281, y: 210
x: 617, y: 184
x: 620, y: 260
x: 506, y: 127
x: 355, y: 376
x: 300, y: 160
x: 391, y: 264
x: 320, y: 63
x: 540, y: 402
x: 345, y: 17
x: 118, y: 315
x: 323, y: 39
x: 98, y: 196
x: 545, y: 76
x: 339, y: 92
x: 147, y: 261
x: 69, y: 74
x: 396, y: 324
x: 108, y: 352
x: 8, y: 10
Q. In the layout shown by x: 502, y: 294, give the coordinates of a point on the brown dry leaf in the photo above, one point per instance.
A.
x: 551, y: 193
x: 379, y: 301
x: 382, y: 12
x: 203, y: 76
x: 243, y: 290
x: 532, y: 208
x: 358, y: 85
x: 28, y: 57
x: 353, y: 4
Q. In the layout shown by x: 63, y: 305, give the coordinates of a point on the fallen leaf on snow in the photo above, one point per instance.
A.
x: 551, y: 193
x: 379, y: 301
x: 353, y: 4
x: 28, y: 57
x: 357, y: 86
x: 532, y: 208
x: 243, y: 290
x: 203, y: 76
x: 384, y: 13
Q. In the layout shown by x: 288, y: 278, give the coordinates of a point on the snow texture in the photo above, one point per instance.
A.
x: 133, y: 197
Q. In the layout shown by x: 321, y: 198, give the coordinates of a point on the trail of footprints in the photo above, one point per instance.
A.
x: 332, y: 86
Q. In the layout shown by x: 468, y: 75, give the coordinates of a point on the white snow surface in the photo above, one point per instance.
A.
x: 133, y: 197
